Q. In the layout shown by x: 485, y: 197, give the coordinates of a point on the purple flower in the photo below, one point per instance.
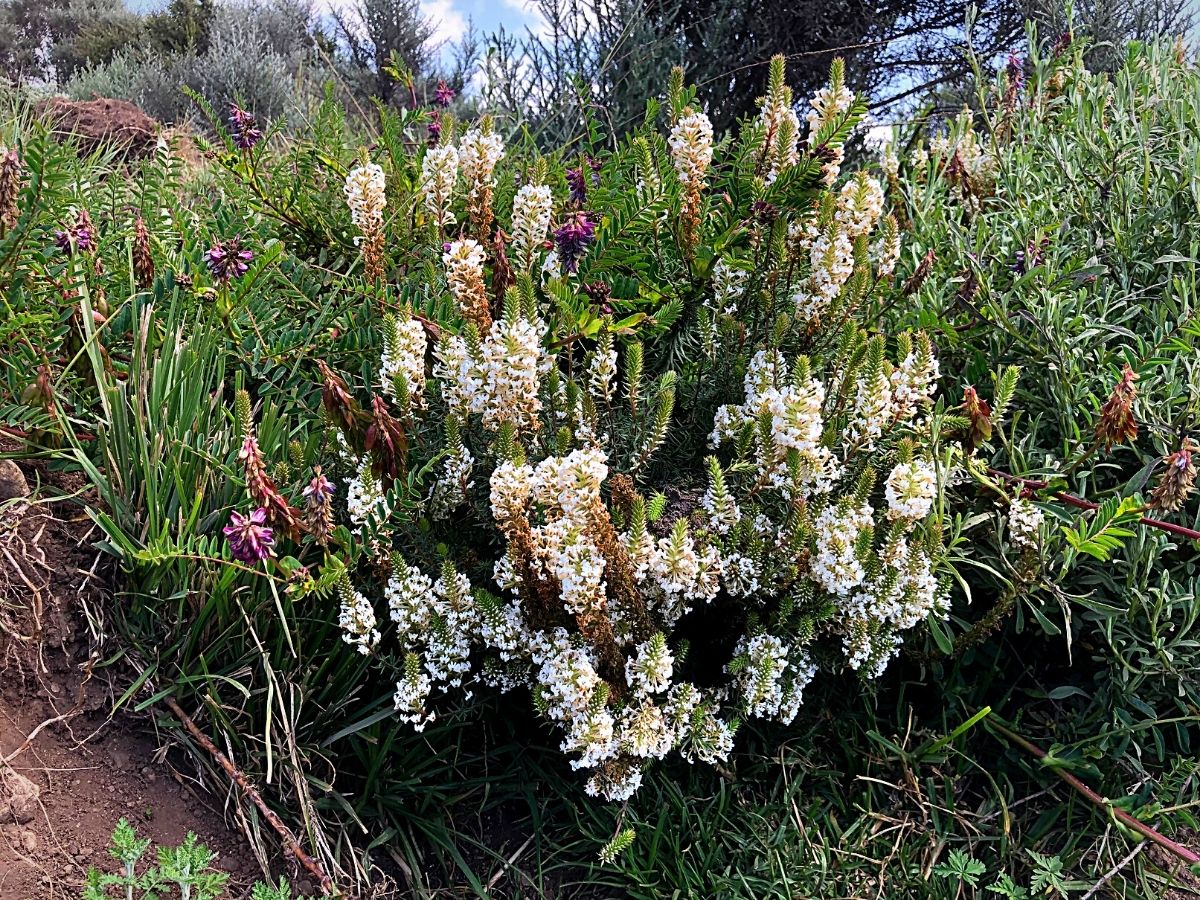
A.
x: 226, y: 260
x: 577, y: 184
x: 1016, y: 72
x: 75, y: 237
x: 435, y: 130
x: 444, y: 95
x: 572, y: 238
x: 599, y: 293
x: 763, y: 213
x: 250, y: 540
x: 1031, y: 257
x: 577, y: 179
x: 79, y: 237
x: 320, y: 488
x: 246, y: 132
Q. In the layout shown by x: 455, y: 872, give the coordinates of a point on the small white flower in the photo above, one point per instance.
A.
x: 860, y: 205
x: 366, y: 501
x: 439, y: 172
x: 357, y: 621
x: 770, y: 683
x: 1025, y: 525
x: 643, y: 731
x: 649, y: 670
x: 406, y: 358
x: 412, y: 694
x: 691, y: 144
x: 409, y: 593
x: 911, y: 489
x: 835, y: 565
x: 616, y: 786
x: 478, y: 154
x: 532, y: 208
x: 366, y: 197
x: 511, y: 370
x: 511, y: 486
x: 729, y: 285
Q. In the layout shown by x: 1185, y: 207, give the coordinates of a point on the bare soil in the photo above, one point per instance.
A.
x: 69, y: 769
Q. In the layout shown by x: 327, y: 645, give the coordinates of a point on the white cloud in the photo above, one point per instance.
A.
x: 531, y: 13
x: 449, y: 24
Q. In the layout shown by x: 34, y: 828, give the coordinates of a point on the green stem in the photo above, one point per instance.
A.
x: 995, y: 616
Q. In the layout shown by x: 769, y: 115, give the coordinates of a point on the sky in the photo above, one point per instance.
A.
x: 451, y: 16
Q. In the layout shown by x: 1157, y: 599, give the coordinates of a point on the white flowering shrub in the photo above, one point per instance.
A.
x: 406, y: 449
x: 638, y: 457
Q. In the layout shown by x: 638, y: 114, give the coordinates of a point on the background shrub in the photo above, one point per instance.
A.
x: 260, y: 56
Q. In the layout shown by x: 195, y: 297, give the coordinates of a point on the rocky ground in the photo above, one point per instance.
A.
x: 69, y: 767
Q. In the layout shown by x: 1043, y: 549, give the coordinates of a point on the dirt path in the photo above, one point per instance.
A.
x: 71, y: 770
x: 90, y: 772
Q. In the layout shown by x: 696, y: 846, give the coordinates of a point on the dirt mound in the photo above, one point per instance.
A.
x: 46, y: 571
x: 68, y: 768
x: 102, y: 122
x: 65, y: 790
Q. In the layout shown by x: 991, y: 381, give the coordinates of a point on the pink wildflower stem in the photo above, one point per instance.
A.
x: 1079, y: 503
x: 1125, y: 818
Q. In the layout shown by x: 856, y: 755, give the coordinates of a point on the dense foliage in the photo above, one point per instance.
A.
x: 448, y: 455
x: 1082, y: 273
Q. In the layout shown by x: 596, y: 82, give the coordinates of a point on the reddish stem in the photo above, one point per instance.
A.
x: 1078, y: 502
x: 25, y: 435
x: 236, y: 775
x: 431, y: 328
x: 1137, y: 825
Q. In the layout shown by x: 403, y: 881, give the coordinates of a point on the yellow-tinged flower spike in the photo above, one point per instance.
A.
x: 439, y: 172
x: 827, y: 107
x: 779, y: 122
x: 366, y: 196
x: 533, y: 207
x: 478, y: 153
x: 464, y: 273
x: 691, y: 144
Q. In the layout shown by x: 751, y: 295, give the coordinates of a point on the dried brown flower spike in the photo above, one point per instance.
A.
x: 1178, y: 479
x: 980, y: 413
x: 1116, y: 425
x: 143, y: 262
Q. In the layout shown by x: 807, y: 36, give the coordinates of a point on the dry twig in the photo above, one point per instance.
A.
x: 238, y: 778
